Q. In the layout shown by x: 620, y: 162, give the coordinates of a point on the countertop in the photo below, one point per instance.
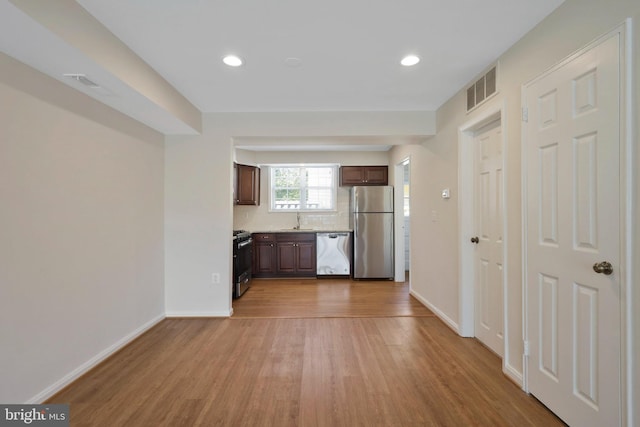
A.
x: 302, y: 230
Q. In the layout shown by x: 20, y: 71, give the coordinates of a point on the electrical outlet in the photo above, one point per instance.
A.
x: 215, y: 278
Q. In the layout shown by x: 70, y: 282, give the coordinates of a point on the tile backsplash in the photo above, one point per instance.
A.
x: 258, y: 218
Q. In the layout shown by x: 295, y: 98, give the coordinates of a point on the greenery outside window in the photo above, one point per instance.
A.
x: 303, y: 188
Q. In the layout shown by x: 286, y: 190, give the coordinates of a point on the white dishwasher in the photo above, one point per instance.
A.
x: 333, y: 253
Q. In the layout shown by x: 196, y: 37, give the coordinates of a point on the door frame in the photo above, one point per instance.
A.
x: 398, y: 220
x: 466, y: 226
x: 628, y: 242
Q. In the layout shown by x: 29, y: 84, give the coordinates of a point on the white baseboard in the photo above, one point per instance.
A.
x: 513, y: 374
x: 199, y: 314
x: 91, y: 363
x: 446, y: 319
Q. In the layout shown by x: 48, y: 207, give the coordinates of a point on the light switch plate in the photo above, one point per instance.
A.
x: 446, y: 194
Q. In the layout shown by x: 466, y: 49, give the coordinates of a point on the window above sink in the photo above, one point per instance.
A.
x: 303, y: 188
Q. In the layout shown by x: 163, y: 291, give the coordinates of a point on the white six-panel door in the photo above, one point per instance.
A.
x: 488, y: 221
x: 572, y: 152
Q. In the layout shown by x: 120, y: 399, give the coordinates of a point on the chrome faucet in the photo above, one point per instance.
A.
x: 297, y: 227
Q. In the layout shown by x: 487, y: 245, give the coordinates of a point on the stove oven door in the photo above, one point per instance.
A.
x: 242, y: 267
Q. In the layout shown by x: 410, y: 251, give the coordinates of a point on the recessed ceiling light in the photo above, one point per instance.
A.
x: 293, y: 62
x: 410, y: 60
x: 232, y: 61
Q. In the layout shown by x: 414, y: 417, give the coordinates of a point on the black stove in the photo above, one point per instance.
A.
x: 241, y: 235
x: 242, y: 260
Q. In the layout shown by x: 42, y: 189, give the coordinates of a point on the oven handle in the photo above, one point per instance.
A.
x: 245, y: 243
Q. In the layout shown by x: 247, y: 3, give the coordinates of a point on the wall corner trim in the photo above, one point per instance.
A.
x: 441, y: 315
x: 93, y: 362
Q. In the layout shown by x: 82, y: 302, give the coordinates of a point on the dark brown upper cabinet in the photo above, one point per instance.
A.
x: 246, y: 188
x: 364, y: 175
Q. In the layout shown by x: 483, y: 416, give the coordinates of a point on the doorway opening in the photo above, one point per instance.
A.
x: 574, y: 218
x: 407, y: 215
x: 402, y: 203
x: 488, y: 241
x: 470, y: 297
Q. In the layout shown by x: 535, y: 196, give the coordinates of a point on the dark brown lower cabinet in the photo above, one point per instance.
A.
x: 306, y: 257
x: 264, y: 255
x: 284, y: 255
x: 296, y: 258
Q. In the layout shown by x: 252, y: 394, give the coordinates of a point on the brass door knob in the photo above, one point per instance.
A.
x: 603, y: 267
x: 475, y: 240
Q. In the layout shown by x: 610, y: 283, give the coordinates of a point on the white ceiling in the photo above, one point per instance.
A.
x: 350, y: 50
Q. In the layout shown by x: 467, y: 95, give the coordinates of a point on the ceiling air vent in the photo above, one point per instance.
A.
x: 85, y: 81
x: 482, y: 89
x: 82, y: 79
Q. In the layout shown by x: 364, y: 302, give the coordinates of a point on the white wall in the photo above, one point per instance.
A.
x: 435, y: 166
x: 258, y: 218
x: 198, y: 222
x: 434, y: 255
x: 81, y: 232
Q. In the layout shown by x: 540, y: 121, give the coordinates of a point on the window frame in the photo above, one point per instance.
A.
x: 333, y: 188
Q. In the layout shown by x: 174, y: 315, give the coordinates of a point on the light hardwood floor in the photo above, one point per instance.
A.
x: 323, y: 371
x: 327, y: 298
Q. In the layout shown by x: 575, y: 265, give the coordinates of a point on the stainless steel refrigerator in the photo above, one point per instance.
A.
x: 371, y: 218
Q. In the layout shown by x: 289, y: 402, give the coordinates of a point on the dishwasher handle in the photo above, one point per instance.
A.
x: 336, y: 235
